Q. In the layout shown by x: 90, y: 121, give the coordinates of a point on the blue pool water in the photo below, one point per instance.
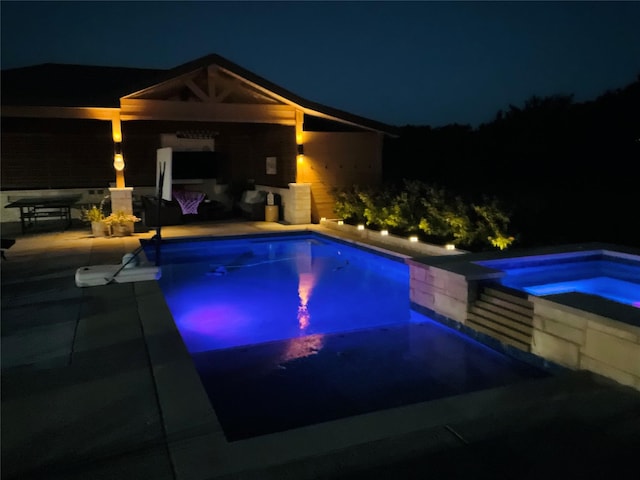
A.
x: 298, y: 329
x: 227, y: 293
x: 609, y: 276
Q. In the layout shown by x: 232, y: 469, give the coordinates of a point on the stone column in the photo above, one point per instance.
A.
x: 298, y: 209
x: 122, y: 199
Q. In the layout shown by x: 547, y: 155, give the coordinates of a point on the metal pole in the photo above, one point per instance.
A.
x: 158, y: 236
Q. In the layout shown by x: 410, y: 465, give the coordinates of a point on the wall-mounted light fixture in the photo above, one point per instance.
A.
x: 118, y: 162
x: 384, y: 233
x: 118, y: 159
x: 300, y: 149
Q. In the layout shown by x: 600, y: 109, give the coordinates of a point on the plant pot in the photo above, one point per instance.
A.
x: 99, y: 229
x: 121, y: 230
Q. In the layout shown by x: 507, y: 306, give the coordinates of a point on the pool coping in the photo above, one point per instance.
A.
x: 199, y: 450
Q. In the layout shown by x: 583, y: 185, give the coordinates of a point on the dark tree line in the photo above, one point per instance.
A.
x: 568, y: 172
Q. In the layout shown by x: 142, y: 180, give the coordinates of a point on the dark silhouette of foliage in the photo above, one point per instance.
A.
x: 569, y: 172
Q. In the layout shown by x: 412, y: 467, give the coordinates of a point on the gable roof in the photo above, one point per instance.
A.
x: 65, y: 85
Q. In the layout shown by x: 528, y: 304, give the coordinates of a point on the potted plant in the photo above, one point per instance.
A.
x: 121, y: 223
x: 95, y: 216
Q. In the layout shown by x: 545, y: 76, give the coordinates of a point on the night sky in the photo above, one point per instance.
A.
x: 418, y: 63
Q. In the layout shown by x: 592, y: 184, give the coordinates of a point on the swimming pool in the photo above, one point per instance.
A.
x: 297, y: 329
x: 610, y: 275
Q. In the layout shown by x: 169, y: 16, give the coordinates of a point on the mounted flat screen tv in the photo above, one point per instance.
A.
x: 194, y: 165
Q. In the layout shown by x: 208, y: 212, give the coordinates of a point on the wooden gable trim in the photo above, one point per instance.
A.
x: 217, y: 97
x: 175, y: 81
x: 297, y: 106
x: 217, y: 91
x: 208, y: 112
x: 211, y: 71
x: 197, y: 91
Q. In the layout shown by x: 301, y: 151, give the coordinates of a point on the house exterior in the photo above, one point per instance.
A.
x: 80, y: 129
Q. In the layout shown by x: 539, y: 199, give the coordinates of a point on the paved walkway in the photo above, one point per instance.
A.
x: 85, y: 396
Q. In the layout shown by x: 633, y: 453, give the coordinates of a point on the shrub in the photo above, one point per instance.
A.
x: 92, y: 214
x: 430, y: 209
x: 119, y: 217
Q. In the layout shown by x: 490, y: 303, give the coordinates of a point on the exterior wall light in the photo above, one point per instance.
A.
x: 300, y: 153
x: 118, y: 162
x: 413, y: 238
x: 340, y: 222
x: 360, y: 227
x: 450, y: 246
x: 384, y: 233
x: 323, y: 219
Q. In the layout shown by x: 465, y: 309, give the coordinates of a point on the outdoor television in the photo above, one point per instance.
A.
x: 194, y: 165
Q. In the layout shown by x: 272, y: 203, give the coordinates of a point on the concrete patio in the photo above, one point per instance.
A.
x: 97, y: 385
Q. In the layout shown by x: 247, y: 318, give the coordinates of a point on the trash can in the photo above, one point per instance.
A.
x: 271, y: 213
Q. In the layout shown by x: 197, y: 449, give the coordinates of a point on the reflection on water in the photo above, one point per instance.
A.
x: 302, y: 347
x: 306, y: 345
x: 306, y: 282
x: 307, y: 279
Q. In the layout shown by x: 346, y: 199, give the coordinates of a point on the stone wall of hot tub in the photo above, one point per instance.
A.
x: 568, y: 330
x: 441, y: 291
x: 580, y: 339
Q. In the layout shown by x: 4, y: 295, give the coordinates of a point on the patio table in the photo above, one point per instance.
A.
x: 34, y: 208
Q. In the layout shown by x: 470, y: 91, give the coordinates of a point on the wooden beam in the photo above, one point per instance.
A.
x: 210, y: 112
x: 197, y: 91
x: 90, y: 113
x: 212, y: 72
x: 224, y: 94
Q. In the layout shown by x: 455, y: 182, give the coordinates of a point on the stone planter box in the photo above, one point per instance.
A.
x: 121, y: 230
x: 100, y: 229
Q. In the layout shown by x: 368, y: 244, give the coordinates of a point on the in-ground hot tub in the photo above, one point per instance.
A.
x: 603, y: 273
x: 583, y: 299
